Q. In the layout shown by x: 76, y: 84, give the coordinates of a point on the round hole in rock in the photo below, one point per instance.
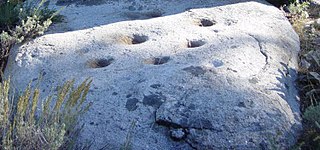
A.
x: 137, y: 39
x: 157, y: 60
x: 195, y: 43
x: 206, y: 23
x: 134, y: 39
x: 100, y: 62
x: 154, y: 14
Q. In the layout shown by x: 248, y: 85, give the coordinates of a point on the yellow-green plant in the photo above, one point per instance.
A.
x: 299, y: 9
x: 299, y: 14
x: 27, y: 125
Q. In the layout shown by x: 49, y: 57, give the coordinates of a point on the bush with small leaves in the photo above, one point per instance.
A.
x: 299, y: 9
x: 20, y: 22
x: 312, y: 114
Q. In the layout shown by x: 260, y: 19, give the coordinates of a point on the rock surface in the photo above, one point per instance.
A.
x: 197, y: 74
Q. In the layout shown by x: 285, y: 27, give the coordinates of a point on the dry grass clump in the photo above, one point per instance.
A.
x: 24, y: 124
x: 28, y: 122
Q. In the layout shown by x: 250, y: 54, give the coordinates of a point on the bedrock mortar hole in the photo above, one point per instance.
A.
x: 195, y: 43
x: 134, y: 39
x: 100, y: 62
x: 206, y: 23
x: 157, y: 60
x: 154, y: 14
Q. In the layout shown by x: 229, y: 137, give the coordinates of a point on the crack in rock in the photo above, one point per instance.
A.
x: 180, y: 133
x: 177, y: 115
x: 182, y: 118
x: 262, y: 51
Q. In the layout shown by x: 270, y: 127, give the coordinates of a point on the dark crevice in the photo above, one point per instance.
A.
x: 168, y: 124
x: 195, y: 43
x: 100, y: 62
x: 206, y: 23
x: 157, y: 60
x: 262, y: 51
x: 190, y: 144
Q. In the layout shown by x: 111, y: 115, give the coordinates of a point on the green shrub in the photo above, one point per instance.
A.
x: 41, y: 10
x: 23, y: 125
x: 21, y: 21
x: 299, y: 9
x: 309, y: 75
x: 12, y: 12
x: 28, y: 29
x: 9, y: 14
x: 310, y: 138
x: 312, y: 114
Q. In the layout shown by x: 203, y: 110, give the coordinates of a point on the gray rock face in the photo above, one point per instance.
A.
x: 199, y: 75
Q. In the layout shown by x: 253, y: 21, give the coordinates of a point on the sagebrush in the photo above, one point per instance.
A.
x: 30, y: 123
x: 20, y: 21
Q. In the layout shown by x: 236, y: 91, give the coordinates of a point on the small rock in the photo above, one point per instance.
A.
x: 317, y: 21
x: 304, y: 64
x: 177, y: 134
x: 315, y: 2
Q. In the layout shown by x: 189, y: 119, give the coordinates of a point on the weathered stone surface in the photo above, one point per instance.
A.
x: 197, y: 74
